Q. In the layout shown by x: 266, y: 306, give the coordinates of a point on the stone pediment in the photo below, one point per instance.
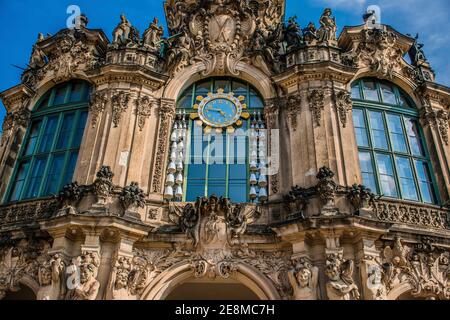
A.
x: 221, y: 33
x: 381, y: 50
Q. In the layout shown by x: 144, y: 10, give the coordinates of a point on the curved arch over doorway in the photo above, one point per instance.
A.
x: 163, y: 285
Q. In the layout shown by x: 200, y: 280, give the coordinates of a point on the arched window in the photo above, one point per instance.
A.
x: 49, y: 155
x: 392, y: 151
x: 222, y: 160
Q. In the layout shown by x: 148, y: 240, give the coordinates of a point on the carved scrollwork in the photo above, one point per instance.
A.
x: 144, y: 110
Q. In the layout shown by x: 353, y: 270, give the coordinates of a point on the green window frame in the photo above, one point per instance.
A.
x: 233, y: 175
x: 49, y: 154
x: 393, y: 155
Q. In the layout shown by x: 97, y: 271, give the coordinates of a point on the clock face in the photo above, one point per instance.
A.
x: 220, y: 111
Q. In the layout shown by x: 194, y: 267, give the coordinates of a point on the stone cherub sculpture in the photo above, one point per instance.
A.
x: 340, y: 285
x: 88, y: 285
x: 328, y: 28
x: 304, y: 280
x: 51, y: 279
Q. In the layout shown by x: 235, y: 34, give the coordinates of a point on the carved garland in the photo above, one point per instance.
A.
x: 316, y: 98
x: 343, y: 105
x: 166, y: 115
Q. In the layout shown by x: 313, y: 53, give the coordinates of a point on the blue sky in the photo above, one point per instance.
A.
x: 21, y: 20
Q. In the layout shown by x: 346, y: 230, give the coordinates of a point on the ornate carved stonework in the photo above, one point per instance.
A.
x: 316, y: 98
x: 294, y: 108
x: 166, y: 115
x: 220, y: 34
x: 83, y: 277
x: 119, y: 103
x: 326, y: 187
x: 70, y: 54
x: 20, y: 260
x: 425, y: 267
x: 377, y: 50
x: 343, y: 105
x: 103, y: 185
x: 13, y: 120
x: 340, y: 285
x: 214, y: 222
x: 98, y: 104
x: 144, y: 110
x: 420, y: 215
x: 304, y: 279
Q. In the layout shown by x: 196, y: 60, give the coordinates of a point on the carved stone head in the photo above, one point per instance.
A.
x: 87, y: 272
x: 121, y: 279
x: 45, y: 275
x: 304, y: 277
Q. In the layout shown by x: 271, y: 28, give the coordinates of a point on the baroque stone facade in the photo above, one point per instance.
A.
x: 320, y: 235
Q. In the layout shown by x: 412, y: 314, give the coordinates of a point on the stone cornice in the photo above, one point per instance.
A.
x: 315, y: 71
x: 128, y: 73
x: 15, y: 96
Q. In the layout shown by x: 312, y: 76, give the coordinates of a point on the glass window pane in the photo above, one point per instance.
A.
x: 388, y: 94
x: 239, y: 88
x: 217, y: 171
x: 386, y: 172
x: 237, y: 191
x: 20, y: 180
x: 406, y: 177
x: 33, y: 137
x: 70, y: 170
x: 52, y: 185
x: 378, y: 131
x: 35, y: 180
x: 76, y: 92
x: 367, y: 171
x: 79, y: 130
x: 360, y: 128
x: 238, y: 172
x: 44, y: 102
x: 356, y: 93
x: 425, y: 182
x: 66, y: 130
x: 404, y: 101
x: 222, y: 84
x: 60, y: 95
x: 217, y: 188
x: 185, y: 102
x: 195, y: 190
x: 256, y: 102
x: 370, y: 91
x: 415, y: 141
x: 202, y: 89
x: 396, y: 132
x: 197, y: 171
x: 49, y: 135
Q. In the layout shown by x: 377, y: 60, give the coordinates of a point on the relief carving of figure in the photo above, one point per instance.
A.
x: 38, y: 58
x: 51, y: 279
x: 340, y: 285
x: 328, y: 28
x: 304, y: 280
x: 85, y: 286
